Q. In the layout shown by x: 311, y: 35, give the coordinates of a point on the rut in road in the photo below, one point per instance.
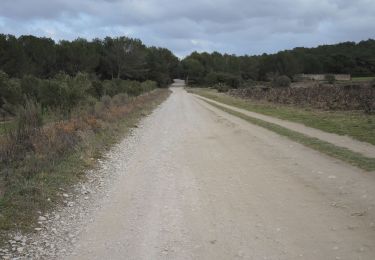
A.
x: 203, y: 184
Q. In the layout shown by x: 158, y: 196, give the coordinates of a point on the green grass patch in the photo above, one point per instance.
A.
x: 355, y: 124
x: 6, y: 126
x: 362, y: 79
x: 343, y: 154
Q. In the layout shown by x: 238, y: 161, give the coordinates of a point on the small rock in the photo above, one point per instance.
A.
x: 332, y: 177
x: 65, y: 195
x: 20, y: 249
x: 359, y: 214
x: 37, y: 229
x: 18, y: 238
x: 41, y: 218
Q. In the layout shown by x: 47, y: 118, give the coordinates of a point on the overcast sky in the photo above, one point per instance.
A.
x: 231, y: 26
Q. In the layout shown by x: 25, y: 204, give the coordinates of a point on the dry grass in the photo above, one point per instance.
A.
x: 50, y: 157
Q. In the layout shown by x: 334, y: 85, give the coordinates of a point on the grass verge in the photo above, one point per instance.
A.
x: 34, y: 184
x: 355, y: 124
x: 361, y: 79
x: 343, y: 154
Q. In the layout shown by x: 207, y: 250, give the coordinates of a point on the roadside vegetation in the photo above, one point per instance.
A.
x: 61, y: 106
x: 356, y: 124
x: 39, y: 161
x: 363, y: 79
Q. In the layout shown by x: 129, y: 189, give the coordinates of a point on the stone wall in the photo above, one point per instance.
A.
x: 321, y: 77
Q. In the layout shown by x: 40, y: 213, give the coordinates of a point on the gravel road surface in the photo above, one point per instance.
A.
x: 203, y: 184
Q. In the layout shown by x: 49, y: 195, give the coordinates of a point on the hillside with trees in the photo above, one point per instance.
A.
x: 357, y: 59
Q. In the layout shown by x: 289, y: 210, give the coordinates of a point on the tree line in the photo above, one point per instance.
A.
x: 357, y: 59
x: 54, y: 74
x: 65, y: 74
x: 110, y: 58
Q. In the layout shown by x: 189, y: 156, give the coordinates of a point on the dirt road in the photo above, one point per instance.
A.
x: 202, y: 184
x: 363, y: 148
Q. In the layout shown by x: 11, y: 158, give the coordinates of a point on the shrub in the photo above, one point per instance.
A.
x: 10, y: 94
x: 120, y: 99
x: 148, y: 85
x: 29, y: 120
x: 30, y: 86
x: 330, y: 78
x: 281, y: 82
x: 106, y: 100
x: 248, y: 84
x: 222, y: 87
x: 18, y: 139
x: 230, y: 80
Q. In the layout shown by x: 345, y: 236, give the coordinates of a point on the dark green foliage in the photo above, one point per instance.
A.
x: 224, y: 78
x: 63, y: 92
x: 222, y: 87
x: 162, y: 66
x: 281, y: 82
x: 357, y: 59
x: 193, y: 70
x: 121, y: 58
x: 10, y: 94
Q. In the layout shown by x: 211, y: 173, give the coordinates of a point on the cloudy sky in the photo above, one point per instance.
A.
x: 231, y: 26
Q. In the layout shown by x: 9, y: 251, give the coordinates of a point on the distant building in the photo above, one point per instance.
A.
x: 321, y: 77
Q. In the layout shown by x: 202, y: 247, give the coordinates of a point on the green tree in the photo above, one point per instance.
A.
x: 124, y: 58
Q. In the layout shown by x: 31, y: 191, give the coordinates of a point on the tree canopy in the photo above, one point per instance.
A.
x: 357, y: 59
x: 121, y: 58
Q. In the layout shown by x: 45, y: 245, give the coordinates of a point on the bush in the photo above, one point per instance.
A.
x: 248, y: 84
x: 281, y: 82
x: 106, y: 100
x: 10, y: 94
x: 30, y: 86
x: 18, y: 141
x: 29, y: 120
x: 148, y: 85
x: 222, y: 87
x: 120, y: 99
x: 330, y: 78
x: 230, y: 80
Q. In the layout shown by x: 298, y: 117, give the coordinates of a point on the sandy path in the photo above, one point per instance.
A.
x: 202, y: 184
x: 364, y: 148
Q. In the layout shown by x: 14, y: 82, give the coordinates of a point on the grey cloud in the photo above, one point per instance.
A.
x: 235, y: 26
